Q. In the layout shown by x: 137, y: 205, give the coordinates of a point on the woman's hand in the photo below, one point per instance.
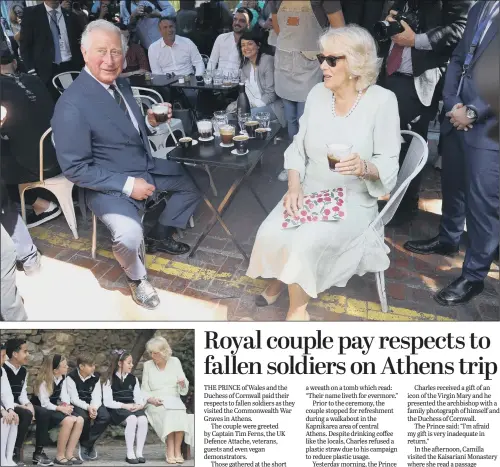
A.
x: 130, y: 407
x: 351, y: 165
x: 294, y: 200
x: 65, y: 409
x: 155, y: 401
x: 181, y: 383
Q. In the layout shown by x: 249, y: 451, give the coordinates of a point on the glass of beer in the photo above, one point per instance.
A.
x: 204, y: 129
x: 337, y: 152
x: 226, y: 135
x: 160, y: 112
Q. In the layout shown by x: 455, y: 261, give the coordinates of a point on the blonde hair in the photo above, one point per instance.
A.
x: 159, y: 344
x: 360, y: 51
x: 46, y: 374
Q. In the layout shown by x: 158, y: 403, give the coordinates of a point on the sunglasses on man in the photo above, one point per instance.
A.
x: 331, y: 60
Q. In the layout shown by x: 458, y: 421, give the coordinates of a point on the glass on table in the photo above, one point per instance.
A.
x: 207, y: 78
x: 204, y: 129
x: 235, y: 77
x: 242, y: 119
x: 227, y: 79
x: 264, y: 119
x: 218, y: 78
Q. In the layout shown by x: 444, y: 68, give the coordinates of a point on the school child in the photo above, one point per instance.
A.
x: 9, y: 418
x: 123, y: 398
x: 49, y: 394
x: 17, y: 374
x: 85, y: 395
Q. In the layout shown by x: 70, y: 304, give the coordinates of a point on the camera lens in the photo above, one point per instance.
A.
x: 380, y: 30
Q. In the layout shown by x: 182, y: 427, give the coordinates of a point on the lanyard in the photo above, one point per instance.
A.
x: 56, y: 21
x: 477, y: 37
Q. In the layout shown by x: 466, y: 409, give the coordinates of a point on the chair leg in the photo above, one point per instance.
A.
x: 94, y: 235
x: 65, y: 199
x: 82, y: 205
x: 23, y: 203
x: 380, y: 277
x: 212, y: 184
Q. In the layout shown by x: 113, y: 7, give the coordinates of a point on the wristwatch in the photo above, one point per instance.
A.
x: 470, y: 113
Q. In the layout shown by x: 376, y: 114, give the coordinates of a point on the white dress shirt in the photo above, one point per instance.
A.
x: 129, y: 184
x: 225, y: 53
x: 178, y: 59
x: 6, y: 395
x: 65, y: 48
x: 493, y: 8
x: 107, y: 393
x: 70, y: 387
x: 23, y: 397
x: 44, y: 396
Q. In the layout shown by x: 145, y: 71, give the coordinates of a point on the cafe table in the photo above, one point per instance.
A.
x: 193, y: 83
x: 213, y: 155
x: 160, y: 83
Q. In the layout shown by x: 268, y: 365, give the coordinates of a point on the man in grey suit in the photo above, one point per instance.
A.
x: 102, y: 145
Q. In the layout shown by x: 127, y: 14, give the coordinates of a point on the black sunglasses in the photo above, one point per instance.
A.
x: 331, y: 60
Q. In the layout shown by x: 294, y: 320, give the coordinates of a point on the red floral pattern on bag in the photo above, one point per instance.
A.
x: 326, y: 205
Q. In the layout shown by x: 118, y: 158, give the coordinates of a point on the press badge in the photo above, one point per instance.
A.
x: 62, y: 45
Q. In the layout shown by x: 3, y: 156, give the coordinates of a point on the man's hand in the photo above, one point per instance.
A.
x: 66, y: 4
x: 458, y: 117
x: 3, y: 115
x: 405, y: 38
x: 151, y: 116
x: 142, y: 189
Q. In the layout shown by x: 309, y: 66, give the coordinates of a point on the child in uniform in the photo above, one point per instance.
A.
x: 9, y: 418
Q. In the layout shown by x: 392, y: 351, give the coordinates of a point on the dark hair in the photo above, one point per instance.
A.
x: 84, y: 359
x: 250, y: 36
x: 247, y: 12
x: 117, y: 357
x: 14, y: 345
x: 167, y: 18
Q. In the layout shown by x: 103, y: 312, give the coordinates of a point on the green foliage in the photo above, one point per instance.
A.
x: 184, y: 351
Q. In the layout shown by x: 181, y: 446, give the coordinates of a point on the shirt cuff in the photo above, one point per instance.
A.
x: 422, y: 42
x: 129, y: 186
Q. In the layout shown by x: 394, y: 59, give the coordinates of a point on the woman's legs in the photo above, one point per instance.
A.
x: 142, y: 432
x: 170, y: 445
x: 298, y: 304
x: 274, y: 288
x: 130, y: 430
x: 292, y: 116
x: 66, y: 427
x: 178, y: 437
x: 74, y: 437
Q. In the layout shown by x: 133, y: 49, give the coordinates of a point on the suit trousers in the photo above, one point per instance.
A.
x: 123, y: 218
x: 413, y: 116
x: 42, y: 420
x: 92, y: 429
x: 469, y: 182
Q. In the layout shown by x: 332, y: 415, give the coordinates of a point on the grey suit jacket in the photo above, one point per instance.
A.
x: 265, y: 81
x: 97, y: 145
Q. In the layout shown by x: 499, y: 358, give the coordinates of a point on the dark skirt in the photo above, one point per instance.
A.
x: 120, y: 415
x: 55, y: 418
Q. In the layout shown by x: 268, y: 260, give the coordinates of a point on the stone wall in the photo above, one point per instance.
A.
x: 101, y: 342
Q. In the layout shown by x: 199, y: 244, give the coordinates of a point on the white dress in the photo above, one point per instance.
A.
x: 171, y: 416
x: 325, y: 254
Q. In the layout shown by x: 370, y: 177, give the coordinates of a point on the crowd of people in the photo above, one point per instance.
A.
x: 384, y: 74
x: 83, y: 403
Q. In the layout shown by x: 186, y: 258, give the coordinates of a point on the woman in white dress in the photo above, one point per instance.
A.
x: 348, y: 108
x: 163, y: 382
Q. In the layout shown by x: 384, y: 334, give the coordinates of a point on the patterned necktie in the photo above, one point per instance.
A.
x: 54, y: 28
x: 395, y: 59
x: 119, y: 100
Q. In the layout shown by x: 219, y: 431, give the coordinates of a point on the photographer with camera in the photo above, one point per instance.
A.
x: 417, y: 40
x: 142, y: 16
x: 108, y: 10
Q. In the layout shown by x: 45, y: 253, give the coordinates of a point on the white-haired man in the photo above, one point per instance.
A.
x: 102, y: 145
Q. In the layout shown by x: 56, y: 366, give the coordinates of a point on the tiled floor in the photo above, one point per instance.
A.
x: 213, y: 284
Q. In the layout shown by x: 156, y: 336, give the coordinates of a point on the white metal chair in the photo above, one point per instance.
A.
x: 154, y: 97
x: 414, y: 162
x: 62, y: 81
x: 59, y: 185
